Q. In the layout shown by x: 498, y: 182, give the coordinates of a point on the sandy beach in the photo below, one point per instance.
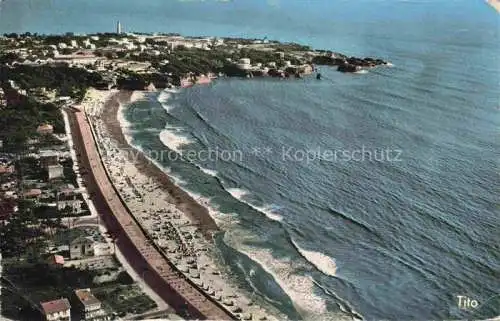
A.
x: 132, y: 240
x: 177, y: 224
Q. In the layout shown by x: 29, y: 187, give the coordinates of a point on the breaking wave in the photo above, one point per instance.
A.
x: 172, y: 138
x: 321, y: 262
x: 267, y: 210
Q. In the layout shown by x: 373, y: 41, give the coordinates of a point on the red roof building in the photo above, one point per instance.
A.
x: 45, y: 129
x: 57, y: 310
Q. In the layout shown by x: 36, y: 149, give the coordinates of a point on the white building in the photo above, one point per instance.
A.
x: 90, y: 307
x: 3, y: 101
x: 75, y: 205
x: 128, y: 45
x: 86, y: 43
x: 68, y: 197
x: 219, y: 42
x: 81, y: 247
x: 140, y: 39
x: 62, y: 45
x: 55, y: 171
x: 271, y: 64
x: 244, y: 63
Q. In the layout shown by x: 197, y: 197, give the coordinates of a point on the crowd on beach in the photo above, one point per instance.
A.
x: 180, y: 239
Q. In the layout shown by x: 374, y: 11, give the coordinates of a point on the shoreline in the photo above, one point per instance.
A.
x: 180, y: 227
x: 142, y: 254
x: 94, y: 214
x: 301, y: 308
x: 198, y: 213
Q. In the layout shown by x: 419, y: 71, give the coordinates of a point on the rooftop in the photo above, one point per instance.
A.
x: 82, y: 240
x: 33, y: 192
x: 86, y: 297
x: 55, y: 306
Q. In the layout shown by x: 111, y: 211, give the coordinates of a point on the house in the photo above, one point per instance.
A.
x: 6, y: 169
x: 56, y: 310
x: 68, y: 197
x: 33, y: 193
x: 244, y: 63
x: 81, y: 247
x: 48, y: 158
x: 45, y: 129
x: 55, y: 171
x: 89, y: 306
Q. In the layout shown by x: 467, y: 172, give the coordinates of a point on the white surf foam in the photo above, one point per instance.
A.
x: 164, y: 97
x: 362, y: 71
x: 238, y: 193
x: 172, y: 138
x: 167, y: 170
x: 267, y: 210
x: 124, y: 123
x: 224, y: 221
x: 299, y: 288
x: 137, y: 95
x: 207, y: 171
x: 322, y: 262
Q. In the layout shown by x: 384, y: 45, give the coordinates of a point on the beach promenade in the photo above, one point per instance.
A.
x: 183, y: 296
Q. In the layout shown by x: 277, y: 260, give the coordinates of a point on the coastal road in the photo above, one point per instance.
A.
x: 161, y: 276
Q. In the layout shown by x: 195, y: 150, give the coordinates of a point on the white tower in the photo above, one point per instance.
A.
x: 118, y: 27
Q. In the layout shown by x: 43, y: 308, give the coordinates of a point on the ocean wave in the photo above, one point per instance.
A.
x: 300, y: 288
x: 237, y: 193
x: 137, y: 95
x: 191, y: 106
x: 164, y: 97
x: 222, y: 220
x: 357, y: 222
x: 207, y: 171
x: 321, y: 262
x: 267, y: 210
x: 171, y: 138
x: 124, y: 123
x: 342, y: 305
x: 177, y: 180
x: 248, y: 277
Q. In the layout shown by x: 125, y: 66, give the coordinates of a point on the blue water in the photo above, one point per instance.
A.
x: 407, y: 235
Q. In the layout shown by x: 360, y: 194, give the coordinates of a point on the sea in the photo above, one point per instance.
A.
x: 369, y: 195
